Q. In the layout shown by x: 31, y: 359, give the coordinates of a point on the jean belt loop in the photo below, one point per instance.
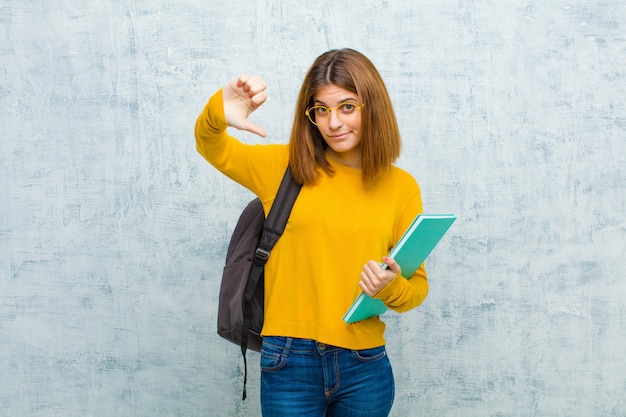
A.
x: 288, y: 342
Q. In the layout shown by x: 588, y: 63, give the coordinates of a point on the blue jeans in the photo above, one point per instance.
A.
x: 304, y: 378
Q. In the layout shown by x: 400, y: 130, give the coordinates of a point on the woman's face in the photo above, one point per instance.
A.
x: 337, y: 114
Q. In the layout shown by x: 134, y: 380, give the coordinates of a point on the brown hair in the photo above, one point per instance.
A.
x: 380, y: 136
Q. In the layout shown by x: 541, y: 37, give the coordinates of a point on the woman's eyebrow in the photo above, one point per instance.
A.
x: 348, y: 99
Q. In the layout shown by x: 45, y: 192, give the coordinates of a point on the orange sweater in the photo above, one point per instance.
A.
x: 335, y: 227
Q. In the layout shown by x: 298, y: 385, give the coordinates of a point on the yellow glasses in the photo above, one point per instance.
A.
x: 320, y: 114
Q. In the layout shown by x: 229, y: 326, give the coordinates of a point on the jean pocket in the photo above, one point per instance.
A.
x: 273, y: 355
x: 370, y: 355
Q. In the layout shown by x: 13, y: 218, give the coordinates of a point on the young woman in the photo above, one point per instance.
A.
x: 353, y: 207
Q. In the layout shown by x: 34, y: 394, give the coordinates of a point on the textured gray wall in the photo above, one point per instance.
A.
x: 113, y: 229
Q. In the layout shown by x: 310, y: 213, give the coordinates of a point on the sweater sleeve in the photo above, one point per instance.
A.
x: 212, y: 140
x: 405, y: 294
x: 402, y: 294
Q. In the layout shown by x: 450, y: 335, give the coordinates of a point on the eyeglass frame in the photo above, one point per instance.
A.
x: 307, y: 112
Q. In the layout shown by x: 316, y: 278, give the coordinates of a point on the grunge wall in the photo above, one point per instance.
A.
x: 113, y: 229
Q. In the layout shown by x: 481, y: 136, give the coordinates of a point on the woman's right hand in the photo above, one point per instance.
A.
x: 241, y: 97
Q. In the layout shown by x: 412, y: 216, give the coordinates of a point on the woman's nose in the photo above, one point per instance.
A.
x: 333, y: 119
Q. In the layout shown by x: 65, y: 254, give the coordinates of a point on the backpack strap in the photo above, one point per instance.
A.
x: 273, y: 228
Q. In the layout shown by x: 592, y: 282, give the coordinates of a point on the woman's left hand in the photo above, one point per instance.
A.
x: 374, y: 278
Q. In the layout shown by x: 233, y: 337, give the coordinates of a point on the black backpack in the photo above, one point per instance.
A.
x: 241, y: 305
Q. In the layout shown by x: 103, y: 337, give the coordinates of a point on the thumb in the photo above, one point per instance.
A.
x: 392, y: 265
x: 251, y: 127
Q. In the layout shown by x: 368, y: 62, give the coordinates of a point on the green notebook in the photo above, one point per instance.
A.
x: 410, y: 252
